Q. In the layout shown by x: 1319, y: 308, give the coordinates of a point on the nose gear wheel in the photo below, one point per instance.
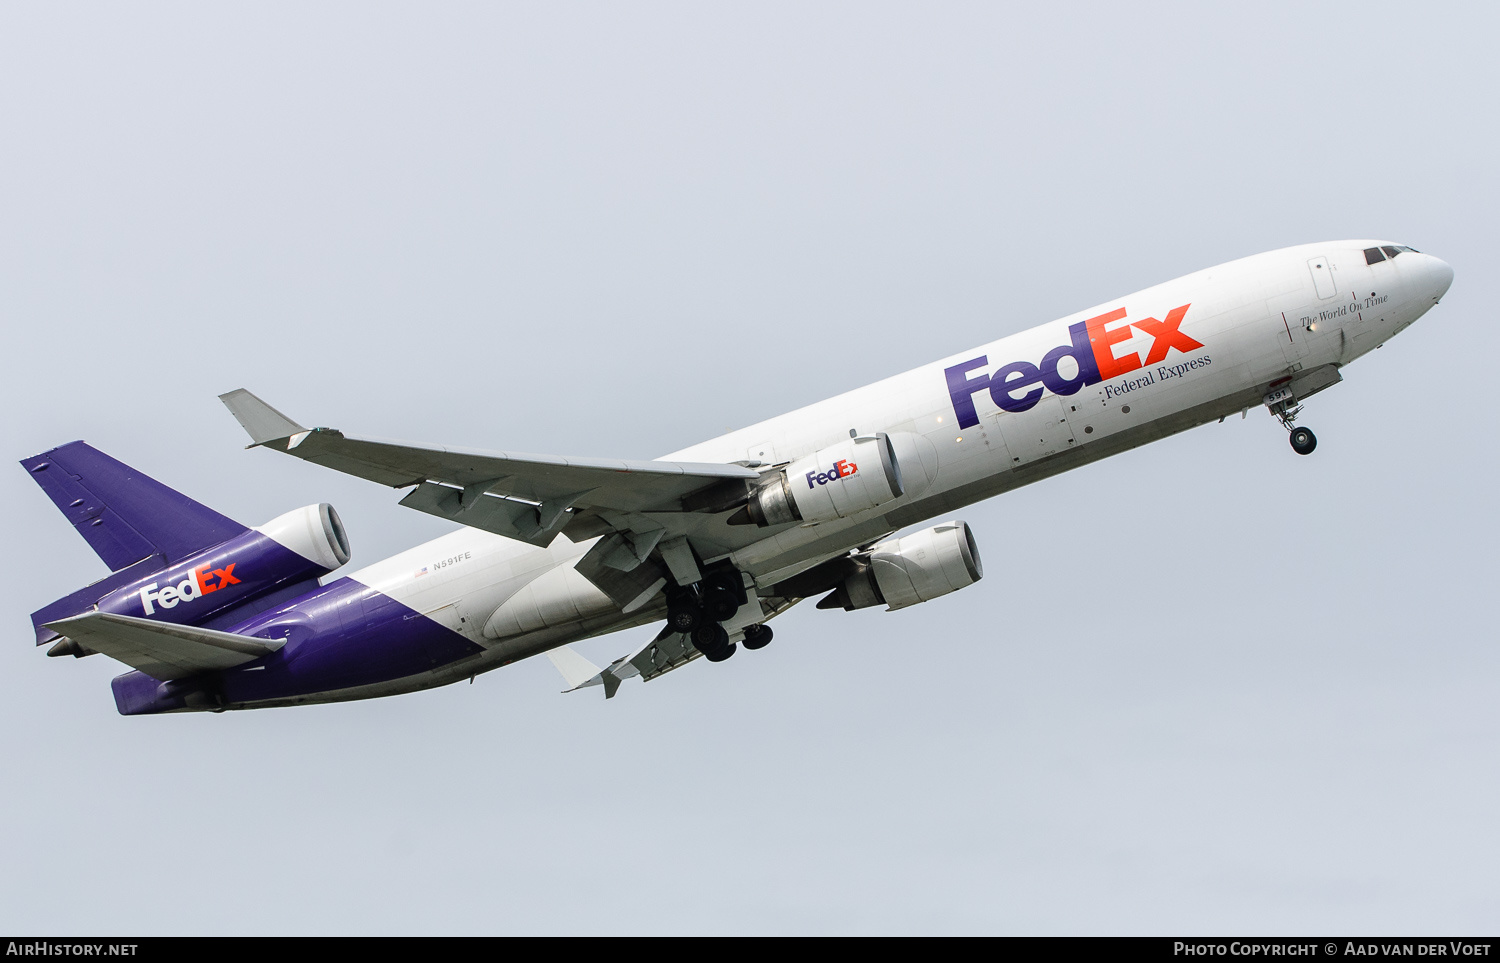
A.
x: 1303, y: 441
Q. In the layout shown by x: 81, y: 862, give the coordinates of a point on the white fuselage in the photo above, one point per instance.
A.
x: 1299, y: 313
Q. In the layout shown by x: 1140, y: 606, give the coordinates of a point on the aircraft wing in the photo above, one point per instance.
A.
x: 160, y: 649
x: 522, y: 496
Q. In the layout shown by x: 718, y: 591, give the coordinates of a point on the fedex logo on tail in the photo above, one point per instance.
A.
x: 1019, y: 385
x: 842, y: 468
x: 200, y: 581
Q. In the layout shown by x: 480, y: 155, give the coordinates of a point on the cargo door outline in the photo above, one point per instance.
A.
x: 1322, y: 277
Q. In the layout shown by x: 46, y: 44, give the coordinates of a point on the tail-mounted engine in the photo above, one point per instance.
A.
x: 833, y: 482
x: 905, y: 571
x: 314, y: 532
x: 291, y: 549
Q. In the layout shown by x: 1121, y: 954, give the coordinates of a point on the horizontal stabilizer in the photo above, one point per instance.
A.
x: 159, y: 649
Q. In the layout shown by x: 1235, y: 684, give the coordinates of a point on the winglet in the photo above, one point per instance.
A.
x: 576, y: 671
x: 259, y: 419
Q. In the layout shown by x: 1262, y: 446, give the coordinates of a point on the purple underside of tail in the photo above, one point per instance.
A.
x: 86, y: 597
x: 125, y: 515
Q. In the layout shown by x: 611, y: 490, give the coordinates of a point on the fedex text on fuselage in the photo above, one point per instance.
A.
x: 1019, y: 385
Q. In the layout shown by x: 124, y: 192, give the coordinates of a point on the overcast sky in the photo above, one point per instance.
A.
x: 1207, y: 686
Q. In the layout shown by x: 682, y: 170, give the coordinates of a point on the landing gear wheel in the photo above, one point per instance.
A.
x: 711, y: 639
x: 722, y: 595
x: 1303, y: 441
x: 719, y: 655
x: 720, y: 604
x: 703, y: 635
x: 684, y: 615
x: 758, y: 636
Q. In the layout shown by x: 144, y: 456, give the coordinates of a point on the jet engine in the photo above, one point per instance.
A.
x: 833, y: 482
x: 314, y: 532
x: 289, y: 551
x: 905, y: 571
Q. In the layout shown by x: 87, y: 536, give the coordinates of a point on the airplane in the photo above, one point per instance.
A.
x: 711, y: 542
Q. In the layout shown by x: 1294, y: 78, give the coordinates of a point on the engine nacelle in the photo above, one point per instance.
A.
x: 905, y: 571
x: 314, y: 532
x: 286, y: 553
x: 834, y: 482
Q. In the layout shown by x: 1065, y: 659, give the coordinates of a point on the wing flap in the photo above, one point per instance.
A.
x: 162, y: 650
x: 667, y: 651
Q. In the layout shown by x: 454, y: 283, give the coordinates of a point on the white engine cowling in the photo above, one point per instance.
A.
x: 833, y: 482
x: 314, y: 532
x: 916, y: 568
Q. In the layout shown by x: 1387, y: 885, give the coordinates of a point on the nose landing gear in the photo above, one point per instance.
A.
x: 1283, y: 404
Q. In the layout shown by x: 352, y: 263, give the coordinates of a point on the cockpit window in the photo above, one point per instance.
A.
x: 1374, y: 255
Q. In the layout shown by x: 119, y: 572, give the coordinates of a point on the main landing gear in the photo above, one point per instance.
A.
x: 698, y: 613
x: 1286, y: 409
x: 711, y: 639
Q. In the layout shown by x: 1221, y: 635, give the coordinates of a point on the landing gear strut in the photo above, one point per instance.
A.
x: 1285, y: 408
x: 722, y: 595
x: 757, y: 636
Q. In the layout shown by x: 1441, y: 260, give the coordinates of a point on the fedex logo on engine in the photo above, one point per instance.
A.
x: 199, y: 582
x: 842, y: 468
x: 1019, y: 385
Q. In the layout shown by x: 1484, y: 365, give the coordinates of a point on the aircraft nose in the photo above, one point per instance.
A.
x: 1439, y: 276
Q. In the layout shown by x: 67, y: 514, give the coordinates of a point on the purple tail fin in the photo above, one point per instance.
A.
x: 123, y: 514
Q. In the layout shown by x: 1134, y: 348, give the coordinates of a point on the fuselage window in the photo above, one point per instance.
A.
x: 1373, y: 255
